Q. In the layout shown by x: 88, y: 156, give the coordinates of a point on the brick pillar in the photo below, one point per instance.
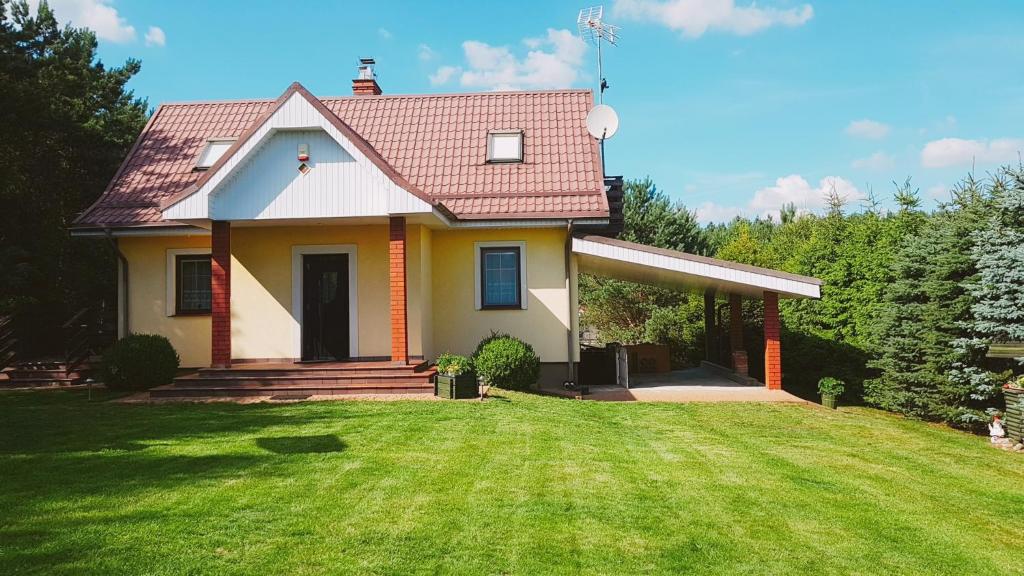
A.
x: 220, y: 283
x: 739, y: 353
x: 772, y: 348
x: 399, y: 314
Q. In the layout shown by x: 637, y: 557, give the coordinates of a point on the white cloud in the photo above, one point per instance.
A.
x: 425, y: 53
x: 711, y: 212
x: 155, y: 36
x: 959, y: 152
x: 444, y: 74
x: 553, y: 61
x: 384, y: 33
x: 938, y: 192
x: 97, y: 15
x: 869, y: 129
x: 793, y: 189
x: 878, y: 161
x: 695, y: 17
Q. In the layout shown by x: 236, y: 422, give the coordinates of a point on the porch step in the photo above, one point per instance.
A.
x: 295, y: 380
x: 284, y: 388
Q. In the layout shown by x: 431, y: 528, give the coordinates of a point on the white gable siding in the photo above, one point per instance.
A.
x: 261, y: 180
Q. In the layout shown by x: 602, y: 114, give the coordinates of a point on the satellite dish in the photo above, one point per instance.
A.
x: 602, y: 122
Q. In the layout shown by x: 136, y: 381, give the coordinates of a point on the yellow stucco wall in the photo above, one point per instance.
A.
x: 441, y: 283
x: 458, y: 326
x: 147, y: 297
x: 262, y: 325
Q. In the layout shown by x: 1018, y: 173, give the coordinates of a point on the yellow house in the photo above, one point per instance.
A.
x: 374, y: 230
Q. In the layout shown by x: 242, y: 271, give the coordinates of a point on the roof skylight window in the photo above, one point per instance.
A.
x: 215, y: 148
x: 505, y: 146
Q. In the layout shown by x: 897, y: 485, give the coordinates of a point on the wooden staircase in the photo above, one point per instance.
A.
x: 42, y: 373
x: 302, y: 380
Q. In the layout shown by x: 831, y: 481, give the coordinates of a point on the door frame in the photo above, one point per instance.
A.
x: 353, y: 299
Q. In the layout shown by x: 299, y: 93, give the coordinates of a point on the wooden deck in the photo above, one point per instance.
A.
x: 302, y: 380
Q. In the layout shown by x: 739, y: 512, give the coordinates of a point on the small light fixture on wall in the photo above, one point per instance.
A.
x: 303, y: 152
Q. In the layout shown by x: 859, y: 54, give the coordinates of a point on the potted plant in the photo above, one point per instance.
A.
x: 830, y: 389
x: 1013, y: 393
x: 455, y: 377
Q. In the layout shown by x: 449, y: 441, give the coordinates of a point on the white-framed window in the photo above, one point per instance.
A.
x: 189, y: 291
x: 505, y: 146
x: 215, y: 148
x: 500, y: 275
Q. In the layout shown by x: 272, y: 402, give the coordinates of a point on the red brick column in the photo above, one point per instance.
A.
x: 772, y: 348
x: 399, y: 314
x: 739, y: 353
x: 220, y: 281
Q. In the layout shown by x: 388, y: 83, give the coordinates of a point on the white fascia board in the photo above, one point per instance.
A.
x: 722, y: 274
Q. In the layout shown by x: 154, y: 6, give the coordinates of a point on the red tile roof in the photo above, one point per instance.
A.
x: 438, y: 143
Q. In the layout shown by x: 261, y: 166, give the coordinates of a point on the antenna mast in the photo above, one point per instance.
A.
x: 594, y: 30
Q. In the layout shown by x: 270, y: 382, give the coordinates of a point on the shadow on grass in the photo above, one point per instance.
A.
x: 321, y: 444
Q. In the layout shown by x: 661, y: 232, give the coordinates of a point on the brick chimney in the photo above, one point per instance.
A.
x: 365, y: 83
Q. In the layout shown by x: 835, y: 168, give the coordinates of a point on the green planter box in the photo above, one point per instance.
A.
x: 456, y: 387
x: 829, y: 401
x: 1014, y: 416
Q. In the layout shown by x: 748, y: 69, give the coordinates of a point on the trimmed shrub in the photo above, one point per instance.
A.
x: 829, y: 386
x: 454, y: 365
x: 139, y: 362
x: 506, y: 362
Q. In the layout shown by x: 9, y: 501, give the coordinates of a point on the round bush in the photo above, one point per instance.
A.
x: 506, y: 362
x: 139, y: 362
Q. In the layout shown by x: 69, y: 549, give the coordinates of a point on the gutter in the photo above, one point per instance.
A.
x: 124, y: 281
x: 570, y: 365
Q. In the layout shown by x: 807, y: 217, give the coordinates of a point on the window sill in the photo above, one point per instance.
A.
x: 510, y: 307
x: 190, y: 314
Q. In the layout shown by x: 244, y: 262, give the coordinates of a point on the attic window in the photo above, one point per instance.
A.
x: 215, y: 148
x: 505, y: 146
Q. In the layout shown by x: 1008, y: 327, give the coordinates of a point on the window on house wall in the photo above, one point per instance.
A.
x: 194, y: 293
x: 215, y: 148
x: 501, y: 277
x: 505, y: 146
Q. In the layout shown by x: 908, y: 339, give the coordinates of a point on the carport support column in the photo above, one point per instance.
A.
x: 739, y: 353
x: 710, y: 340
x: 399, y: 314
x: 772, y: 348
x: 220, y: 287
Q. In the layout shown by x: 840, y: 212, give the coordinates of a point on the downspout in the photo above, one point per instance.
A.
x: 570, y: 368
x: 124, y: 280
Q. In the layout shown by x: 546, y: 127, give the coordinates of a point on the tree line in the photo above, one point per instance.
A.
x: 66, y: 123
x: 910, y: 302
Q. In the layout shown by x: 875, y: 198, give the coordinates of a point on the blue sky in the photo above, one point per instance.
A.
x: 731, y: 107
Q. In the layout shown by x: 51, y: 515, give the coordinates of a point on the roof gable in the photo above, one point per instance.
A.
x: 296, y: 109
x: 434, y: 143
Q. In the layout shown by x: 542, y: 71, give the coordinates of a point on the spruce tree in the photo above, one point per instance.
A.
x: 927, y: 313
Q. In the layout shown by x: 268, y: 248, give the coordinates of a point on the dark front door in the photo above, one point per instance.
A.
x: 325, y: 307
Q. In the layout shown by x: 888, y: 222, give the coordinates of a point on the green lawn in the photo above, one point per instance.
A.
x: 519, y: 484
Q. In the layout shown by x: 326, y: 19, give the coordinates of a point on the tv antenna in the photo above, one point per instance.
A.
x: 595, y: 30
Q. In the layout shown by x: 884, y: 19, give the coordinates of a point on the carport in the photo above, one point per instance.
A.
x: 622, y: 260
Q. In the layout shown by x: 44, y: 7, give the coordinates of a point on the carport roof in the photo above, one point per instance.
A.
x: 624, y: 260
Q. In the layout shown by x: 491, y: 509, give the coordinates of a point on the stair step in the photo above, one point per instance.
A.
x: 302, y: 374
x: 285, y: 390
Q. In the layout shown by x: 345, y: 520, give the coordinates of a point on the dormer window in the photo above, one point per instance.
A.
x: 505, y: 146
x: 215, y: 148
